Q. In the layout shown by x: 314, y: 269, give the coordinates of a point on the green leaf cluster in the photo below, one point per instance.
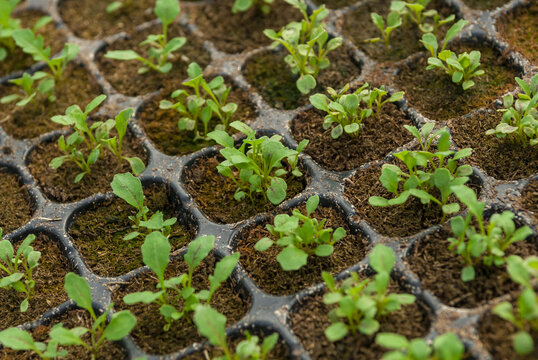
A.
x: 307, y: 43
x: 256, y: 166
x: 393, y: 22
x: 416, y: 12
x: 361, y: 303
x: 116, y: 6
x: 244, y: 5
x: 445, y: 347
x: 21, y: 340
x: 31, y: 87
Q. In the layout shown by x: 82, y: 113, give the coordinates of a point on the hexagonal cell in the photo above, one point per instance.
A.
x: 161, y: 125
x: 267, y: 272
x: 485, y: 4
x: 529, y: 197
x: 500, y: 158
x: 17, y: 206
x: 519, y: 29
x: 123, y: 75
x: 98, y: 230
x: 49, y: 283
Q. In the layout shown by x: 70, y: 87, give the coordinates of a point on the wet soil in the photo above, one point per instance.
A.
x: 17, y: 207
x: 519, y: 29
x: 485, y: 4
x: 529, y: 199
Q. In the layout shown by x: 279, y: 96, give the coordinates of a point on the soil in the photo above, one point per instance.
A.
x: 267, y: 273
x: 529, y: 199
x: 71, y: 319
x: 78, y: 87
x: 17, y: 207
x: 49, y: 282
x: 161, y: 125
x: 334, y: 4
x: 439, y: 270
x: 275, y: 82
x: 485, y: 4
x: 58, y: 185
x: 214, y: 193
x: 53, y: 37
x: 357, y: 26
x: 519, y: 29
x: 438, y: 98
x: 98, y: 232
x: 500, y: 158
x: 242, y: 31
x: 149, y: 333
x: 88, y: 19
x: 378, y: 138
x: 311, y: 320
x: 124, y: 76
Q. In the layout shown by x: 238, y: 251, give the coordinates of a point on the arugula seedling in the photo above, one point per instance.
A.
x: 129, y: 188
x: 31, y: 86
x: 417, y: 13
x: 211, y: 324
x: 176, y: 296
x: 520, y: 119
x: 207, y: 102
x: 427, y: 173
x: 259, y: 163
x: 307, y: 43
x: 525, y: 314
x: 115, y: 6
x: 244, y: 5
x: 18, y: 268
x: 445, y: 347
x: 361, y: 303
x: 160, y: 48
x: 485, y: 243
x: 394, y: 21
x: 300, y: 235
x: 7, y: 25
x: 20, y: 340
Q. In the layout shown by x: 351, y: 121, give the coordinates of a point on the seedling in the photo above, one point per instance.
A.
x: 20, y: 340
x: 129, y: 188
x: 18, y: 268
x: 416, y: 12
x: 520, y: 120
x: 207, y: 102
x: 461, y: 68
x: 244, y: 5
x: 485, y: 243
x: 7, y: 25
x: 307, y: 43
x: 211, y: 324
x: 176, y: 296
x: 160, y: 48
x: 427, y: 173
x: 256, y: 166
x: 361, y: 303
x: 394, y: 21
x: 115, y: 6
x: 31, y: 86
x: 525, y: 314
x: 445, y: 347
x: 301, y: 235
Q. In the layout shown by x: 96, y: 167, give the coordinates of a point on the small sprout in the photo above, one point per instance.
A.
x: 31, y: 87
x: 207, y: 102
x: 17, y: 268
x: 211, y: 324
x: 176, y: 296
x: 417, y: 13
x: 525, y: 314
x: 301, y: 235
x: 445, y: 347
x: 129, y: 188
x: 394, y: 21
x: 20, y: 340
x: 487, y: 243
x: 8, y: 24
x: 244, y: 5
x: 258, y: 163
x: 307, y: 43
x: 520, y: 120
x: 116, y: 6
x: 362, y: 303
x: 161, y: 49
x: 427, y: 173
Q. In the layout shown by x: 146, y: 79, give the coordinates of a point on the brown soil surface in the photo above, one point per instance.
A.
x: 311, y: 320
x: 49, y: 282
x: 242, y: 31
x: 53, y: 37
x: 271, y: 76
x: 519, y: 29
x: 378, y: 138
x: 58, y: 185
x: 485, y: 4
x: 17, y: 207
x: 71, y: 319
x: 500, y: 158
x: 214, y: 193
x: 267, y: 272
x: 161, y: 125
x: 124, y: 77
x: 357, y: 25
x: 334, y: 4
x: 439, y: 271
x: 149, y: 333
x: 529, y: 198
x: 438, y: 98
x: 98, y: 233
x: 88, y: 19
x: 78, y: 87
